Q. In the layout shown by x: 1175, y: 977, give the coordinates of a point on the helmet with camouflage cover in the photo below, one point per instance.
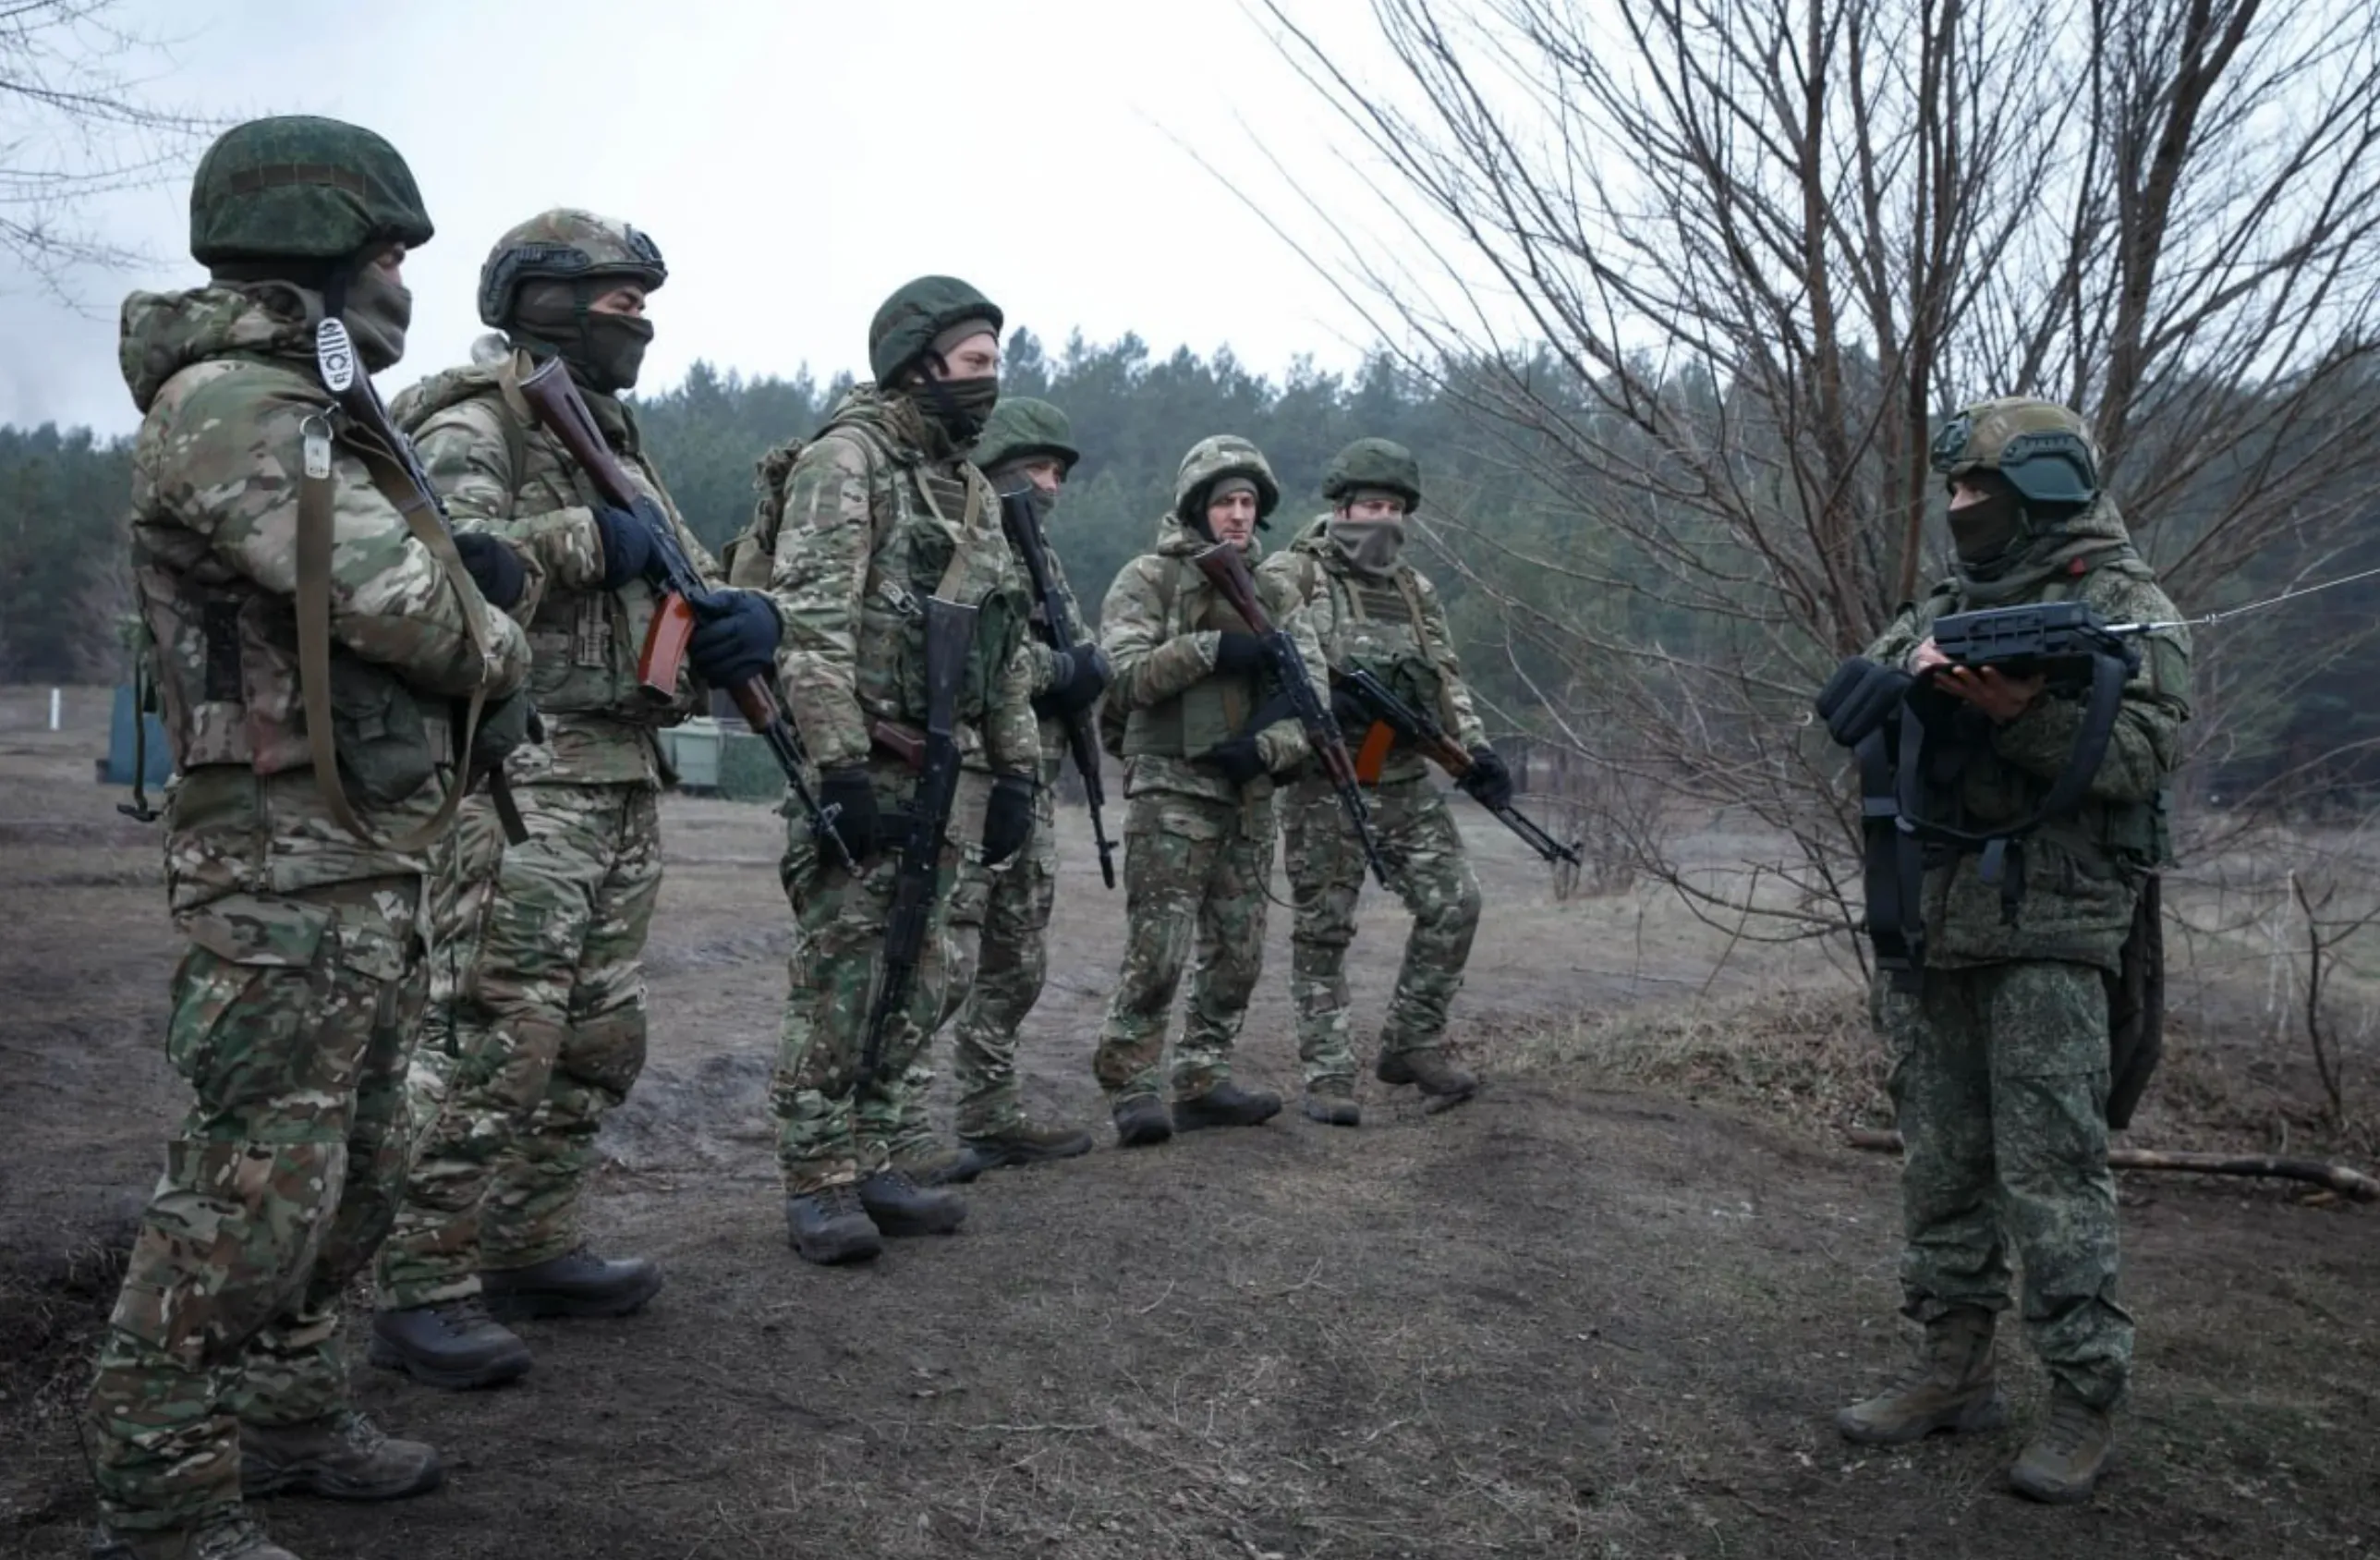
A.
x: 908, y: 323
x: 1372, y: 463
x: 301, y: 188
x: 1211, y: 460
x: 2043, y: 449
x: 1023, y: 429
x: 564, y: 245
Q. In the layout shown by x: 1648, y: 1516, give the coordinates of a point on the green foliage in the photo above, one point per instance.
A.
x: 62, y: 497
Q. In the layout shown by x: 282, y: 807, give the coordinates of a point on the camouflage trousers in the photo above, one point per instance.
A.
x: 1196, y: 874
x: 547, y: 1035
x: 2000, y: 1081
x: 1431, y: 875
x: 291, y: 1019
x: 832, y: 1130
x: 1012, y: 963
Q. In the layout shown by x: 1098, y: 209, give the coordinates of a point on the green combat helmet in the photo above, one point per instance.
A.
x: 301, y: 188
x: 563, y: 245
x: 1372, y: 463
x: 1208, y: 462
x: 906, y: 323
x: 2042, y: 448
x: 1023, y: 429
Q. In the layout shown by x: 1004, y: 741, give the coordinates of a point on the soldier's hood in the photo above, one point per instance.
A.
x: 1315, y: 538
x: 418, y: 402
x: 161, y: 333
x: 1175, y: 540
x: 896, y: 418
x: 2081, y: 543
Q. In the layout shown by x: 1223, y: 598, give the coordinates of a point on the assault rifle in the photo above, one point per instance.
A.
x: 950, y: 634
x: 1394, y: 716
x: 1024, y: 527
x: 562, y: 411
x: 1228, y: 572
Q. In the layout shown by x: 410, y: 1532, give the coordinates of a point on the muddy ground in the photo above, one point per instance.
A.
x: 1564, y: 1320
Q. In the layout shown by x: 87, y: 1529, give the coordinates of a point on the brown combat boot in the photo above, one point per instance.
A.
x: 232, y: 1536
x: 1950, y: 1387
x: 2062, y: 1463
x: 1021, y: 1143
x: 1332, y: 1101
x: 1444, y: 1082
x: 341, y: 1456
x: 938, y: 1167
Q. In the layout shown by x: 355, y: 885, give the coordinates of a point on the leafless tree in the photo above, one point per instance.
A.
x: 1707, y: 272
x: 78, y: 123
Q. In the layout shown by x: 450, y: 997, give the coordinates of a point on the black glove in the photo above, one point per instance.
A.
x: 1007, y: 818
x: 1354, y: 716
x: 495, y: 567
x: 1488, y: 779
x: 1239, y: 653
x: 1078, y: 677
x: 1859, y: 697
x: 1239, y: 759
x: 505, y: 724
x: 847, y: 795
x: 627, y: 546
x: 734, y: 637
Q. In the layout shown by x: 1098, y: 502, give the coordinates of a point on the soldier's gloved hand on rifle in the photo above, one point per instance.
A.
x: 846, y: 794
x: 505, y: 724
x: 495, y: 567
x: 627, y: 546
x: 1488, y: 779
x: 734, y: 637
x: 1077, y: 677
x: 1239, y: 758
x: 1007, y: 818
x: 1238, y: 653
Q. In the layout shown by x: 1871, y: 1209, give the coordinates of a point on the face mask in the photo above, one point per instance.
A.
x: 377, y: 314
x: 1369, y: 546
x: 610, y: 350
x: 961, y: 407
x: 1983, y: 530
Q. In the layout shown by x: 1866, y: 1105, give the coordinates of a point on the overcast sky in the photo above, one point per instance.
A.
x: 794, y: 159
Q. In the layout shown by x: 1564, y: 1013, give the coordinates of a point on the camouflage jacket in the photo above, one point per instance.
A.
x: 504, y: 477
x: 224, y: 380
x: 1395, y: 628
x: 2083, y: 871
x: 1160, y: 626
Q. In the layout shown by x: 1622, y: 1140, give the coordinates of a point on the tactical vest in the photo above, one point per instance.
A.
x: 226, y: 649
x: 1378, y: 625
x: 939, y: 541
x: 583, y: 644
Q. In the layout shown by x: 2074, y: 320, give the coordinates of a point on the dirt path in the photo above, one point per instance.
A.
x: 1559, y: 1321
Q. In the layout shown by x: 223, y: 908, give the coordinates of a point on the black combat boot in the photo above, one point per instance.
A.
x: 829, y: 1226
x: 1226, y: 1104
x: 450, y: 1344
x: 1444, y: 1083
x: 1142, y: 1120
x: 578, y: 1282
x: 1332, y: 1101
x: 901, y: 1207
x: 341, y: 1456
x: 1021, y: 1143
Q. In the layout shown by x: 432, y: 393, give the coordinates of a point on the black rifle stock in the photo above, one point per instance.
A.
x: 1228, y: 572
x: 555, y: 398
x: 1448, y: 755
x: 950, y: 634
x: 1024, y: 527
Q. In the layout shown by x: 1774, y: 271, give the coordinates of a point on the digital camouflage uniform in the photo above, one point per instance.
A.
x: 2000, y: 1056
x: 295, y: 1005
x: 1017, y: 896
x: 878, y: 512
x: 548, y: 1022
x: 1197, y: 848
x: 1394, y: 628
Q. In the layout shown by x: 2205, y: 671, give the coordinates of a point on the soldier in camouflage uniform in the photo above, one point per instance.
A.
x: 1369, y: 608
x: 2001, y: 1073
x: 548, y: 1030
x: 293, y: 1006
x: 1025, y: 445
x: 854, y: 529
x: 1201, y: 743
